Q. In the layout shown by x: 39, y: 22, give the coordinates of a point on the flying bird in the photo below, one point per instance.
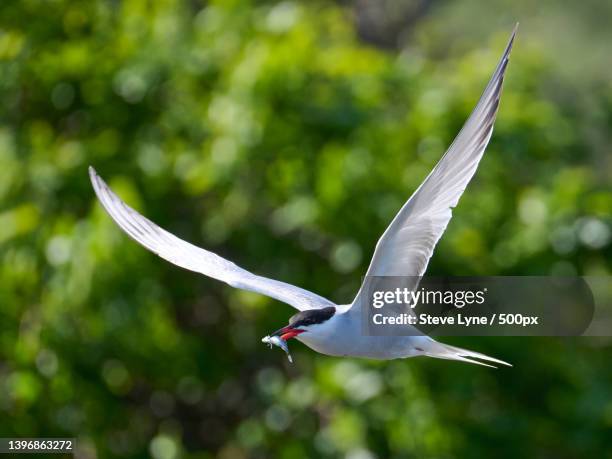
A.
x: 404, y: 249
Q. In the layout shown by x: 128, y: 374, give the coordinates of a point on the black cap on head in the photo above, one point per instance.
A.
x: 311, y: 317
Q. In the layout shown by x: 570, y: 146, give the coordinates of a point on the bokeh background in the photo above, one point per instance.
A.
x: 285, y: 136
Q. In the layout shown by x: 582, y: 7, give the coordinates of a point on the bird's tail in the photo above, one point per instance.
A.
x: 444, y: 351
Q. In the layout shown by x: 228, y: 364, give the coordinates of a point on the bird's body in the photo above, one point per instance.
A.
x: 342, y: 336
x: 404, y: 249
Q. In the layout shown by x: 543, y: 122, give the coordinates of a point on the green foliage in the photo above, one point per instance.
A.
x: 269, y: 133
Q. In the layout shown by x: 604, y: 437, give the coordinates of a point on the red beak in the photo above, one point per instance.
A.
x: 286, y: 333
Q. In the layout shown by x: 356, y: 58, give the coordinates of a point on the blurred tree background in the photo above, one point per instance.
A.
x: 285, y: 136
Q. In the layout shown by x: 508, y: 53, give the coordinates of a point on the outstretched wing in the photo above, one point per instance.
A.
x: 406, y: 246
x: 193, y: 258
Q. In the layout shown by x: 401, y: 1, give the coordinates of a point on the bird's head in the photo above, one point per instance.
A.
x: 305, y: 321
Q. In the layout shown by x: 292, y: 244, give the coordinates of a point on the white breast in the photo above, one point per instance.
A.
x: 342, y: 335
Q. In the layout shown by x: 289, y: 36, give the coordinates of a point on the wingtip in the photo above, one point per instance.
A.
x: 512, y: 37
x: 514, y: 32
x: 96, y: 181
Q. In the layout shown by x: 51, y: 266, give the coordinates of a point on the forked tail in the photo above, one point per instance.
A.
x: 444, y: 351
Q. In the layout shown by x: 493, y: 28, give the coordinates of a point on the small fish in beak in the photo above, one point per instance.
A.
x: 277, y: 341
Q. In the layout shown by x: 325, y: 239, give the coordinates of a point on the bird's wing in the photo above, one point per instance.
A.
x: 193, y: 258
x: 408, y: 242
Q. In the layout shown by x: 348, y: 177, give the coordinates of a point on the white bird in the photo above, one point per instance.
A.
x: 404, y: 249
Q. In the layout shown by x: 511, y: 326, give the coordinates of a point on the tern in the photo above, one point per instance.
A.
x: 404, y: 249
